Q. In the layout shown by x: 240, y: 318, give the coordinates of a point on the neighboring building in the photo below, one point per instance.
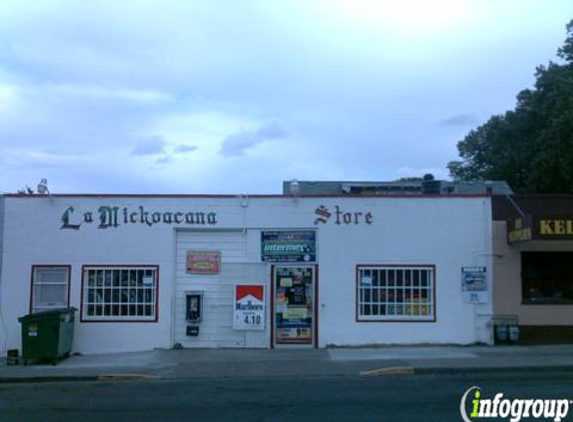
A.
x: 148, y: 271
x: 426, y: 186
x: 1, y: 244
x: 533, y: 247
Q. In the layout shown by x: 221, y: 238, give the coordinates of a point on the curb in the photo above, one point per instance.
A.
x: 125, y: 377
x: 76, y: 378
x: 400, y: 370
x: 37, y: 379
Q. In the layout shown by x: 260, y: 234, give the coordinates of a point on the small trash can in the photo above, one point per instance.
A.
x: 501, y: 332
x: 506, y: 329
x: 47, y: 335
x: 513, y: 333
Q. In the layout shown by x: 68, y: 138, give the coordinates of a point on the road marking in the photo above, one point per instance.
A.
x: 125, y: 377
x: 391, y: 370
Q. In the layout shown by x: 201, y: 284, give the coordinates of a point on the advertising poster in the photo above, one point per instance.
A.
x: 293, y: 335
x: 249, y: 308
x: 203, y: 262
x: 474, y: 284
x: 288, y: 246
x: 417, y: 306
x: 294, y: 305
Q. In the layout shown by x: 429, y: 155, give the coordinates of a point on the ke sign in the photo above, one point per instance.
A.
x: 474, y: 284
x: 539, y: 227
x: 288, y: 246
x: 249, y: 309
x: 203, y: 262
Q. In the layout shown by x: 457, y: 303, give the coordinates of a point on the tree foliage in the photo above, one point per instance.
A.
x: 531, y: 147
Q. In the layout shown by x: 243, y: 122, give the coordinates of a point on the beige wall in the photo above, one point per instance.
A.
x: 507, y: 282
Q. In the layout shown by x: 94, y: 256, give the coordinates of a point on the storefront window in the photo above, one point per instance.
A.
x: 119, y: 293
x: 395, y: 293
x: 547, y: 277
x: 49, y: 287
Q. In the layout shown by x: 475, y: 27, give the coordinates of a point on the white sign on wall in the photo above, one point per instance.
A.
x: 474, y: 284
x: 249, y: 307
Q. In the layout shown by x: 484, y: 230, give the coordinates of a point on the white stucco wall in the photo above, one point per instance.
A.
x: 1, y: 231
x: 448, y: 232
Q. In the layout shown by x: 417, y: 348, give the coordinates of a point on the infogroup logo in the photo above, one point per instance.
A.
x: 514, y: 409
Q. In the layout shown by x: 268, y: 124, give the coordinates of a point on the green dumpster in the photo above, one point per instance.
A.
x: 47, y: 335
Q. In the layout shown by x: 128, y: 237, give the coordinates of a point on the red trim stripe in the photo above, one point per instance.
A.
x: 237, y: 196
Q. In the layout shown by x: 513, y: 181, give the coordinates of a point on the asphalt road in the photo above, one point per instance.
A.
x: 350, y: 398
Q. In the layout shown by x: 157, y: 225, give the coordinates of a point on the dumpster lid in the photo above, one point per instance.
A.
x: 48, y: 313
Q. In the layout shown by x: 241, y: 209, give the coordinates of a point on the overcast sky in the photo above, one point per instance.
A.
x: 235, y: 96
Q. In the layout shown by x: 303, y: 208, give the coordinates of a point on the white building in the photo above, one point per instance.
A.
x: 148, y: 271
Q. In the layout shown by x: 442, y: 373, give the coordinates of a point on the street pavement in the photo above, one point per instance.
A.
x: 297, y: 363
x: 412, y: 398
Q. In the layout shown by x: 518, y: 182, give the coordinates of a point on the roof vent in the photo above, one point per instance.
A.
x: 431, y: 186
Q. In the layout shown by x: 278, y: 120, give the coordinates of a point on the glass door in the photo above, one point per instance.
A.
x: 294, y: 290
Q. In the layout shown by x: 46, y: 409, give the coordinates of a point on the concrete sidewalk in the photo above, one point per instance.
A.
x: 230, y: 363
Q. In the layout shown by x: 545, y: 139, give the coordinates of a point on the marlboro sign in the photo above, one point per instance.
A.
x: 203, y: 262
x: 249, y: 309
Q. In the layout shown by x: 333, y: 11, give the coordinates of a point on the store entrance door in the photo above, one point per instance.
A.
x: 294, y: 310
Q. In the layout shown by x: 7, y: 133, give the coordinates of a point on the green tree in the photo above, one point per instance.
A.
x: 531, y: 147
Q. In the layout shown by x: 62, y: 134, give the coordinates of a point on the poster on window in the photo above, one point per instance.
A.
x: 203, y: 262
x: 294, y: 334
x: 294, y: 305
x: 417, y: 307
x: 249, y: 307
x: 474, y: 284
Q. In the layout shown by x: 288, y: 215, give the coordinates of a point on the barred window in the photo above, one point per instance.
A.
x: 50, y: 286
x: 396, y: 293
x: 120, y: 293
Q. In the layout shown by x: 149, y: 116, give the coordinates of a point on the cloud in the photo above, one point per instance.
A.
x: 40, y: 159
x: 96, y: 85
x: 150, y: 146
x: 148, y: 96
x: 271, y: 131
x: 183, y: 148
x: 460, y: 120
x: 236, y: 144
x: 166, y: 159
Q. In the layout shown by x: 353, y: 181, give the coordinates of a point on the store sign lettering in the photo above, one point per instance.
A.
x: 556, y: 227
x: 111, y: 217
x: 341, y: 217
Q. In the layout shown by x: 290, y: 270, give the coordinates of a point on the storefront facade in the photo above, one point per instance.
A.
x: 260, y: 271
x: 533, y: 243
